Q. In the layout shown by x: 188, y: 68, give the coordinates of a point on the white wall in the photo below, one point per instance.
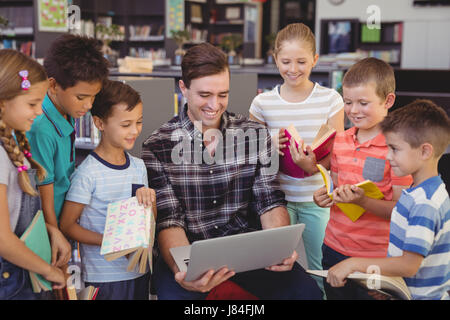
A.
x: 426, y: 29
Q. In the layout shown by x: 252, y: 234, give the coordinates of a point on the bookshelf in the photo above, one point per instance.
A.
x: 298, y: 11
x: 384, y: 43
x: 19, y: 33
x: 350, y: 35
x: 211, y: 20
x: 142, y: 23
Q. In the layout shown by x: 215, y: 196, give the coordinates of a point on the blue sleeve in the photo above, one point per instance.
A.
x: 82, y: 187
x: 420, y: 234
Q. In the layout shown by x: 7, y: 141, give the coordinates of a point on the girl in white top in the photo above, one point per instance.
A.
x: 306, y: 105
x: 23, y: 84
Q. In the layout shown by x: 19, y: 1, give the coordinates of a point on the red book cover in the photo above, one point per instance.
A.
x: 321, y: 147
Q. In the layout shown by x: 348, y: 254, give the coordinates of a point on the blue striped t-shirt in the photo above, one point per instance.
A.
x: 420, y: 223
x: 96, y: 183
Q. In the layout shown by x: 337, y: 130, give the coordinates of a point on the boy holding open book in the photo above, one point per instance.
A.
x: 108, y: 174
x: 359, y: 154
x: 417, y: 136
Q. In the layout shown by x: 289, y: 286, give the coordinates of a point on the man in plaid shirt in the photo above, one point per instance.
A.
x: 208, y: 185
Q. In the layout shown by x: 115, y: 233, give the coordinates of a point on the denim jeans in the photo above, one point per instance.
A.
x: 134, y: 289
x: 15, y: 283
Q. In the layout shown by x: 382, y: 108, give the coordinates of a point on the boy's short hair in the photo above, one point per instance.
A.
x: 72, y: 58
x: 371, y: 70
x: 202, y: 60
x: 419, y: 122
x: 112, y: 93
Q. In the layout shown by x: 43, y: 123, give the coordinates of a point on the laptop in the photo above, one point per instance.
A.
x: 240, y: 252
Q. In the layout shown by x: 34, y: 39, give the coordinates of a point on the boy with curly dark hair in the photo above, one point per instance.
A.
x: 76, y: 70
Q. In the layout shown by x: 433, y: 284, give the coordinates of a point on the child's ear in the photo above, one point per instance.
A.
x: 316, y: 58
x: 98, y: 122
x: 390, y: 99
x: 427, y: 151
x: 52, y: 85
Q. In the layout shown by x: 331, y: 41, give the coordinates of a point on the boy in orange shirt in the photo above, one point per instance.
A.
x: 359, y: 154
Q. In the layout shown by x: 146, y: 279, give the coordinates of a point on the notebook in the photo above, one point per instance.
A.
x: 241, y: 252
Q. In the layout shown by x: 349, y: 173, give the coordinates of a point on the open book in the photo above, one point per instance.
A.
x: 129, y: 230
x: 321, y: 146
x: 393, y: 286
x: 353, y: 211
x: 36, y: 239
x: 88, y: 293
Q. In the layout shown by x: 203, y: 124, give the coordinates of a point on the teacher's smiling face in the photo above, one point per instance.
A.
x: 207, y: 99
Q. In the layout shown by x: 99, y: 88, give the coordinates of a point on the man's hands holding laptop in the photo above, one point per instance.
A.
x: 213, y: 278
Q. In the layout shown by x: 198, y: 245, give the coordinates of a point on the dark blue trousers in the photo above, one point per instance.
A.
x: 267, y: 285
x: 351, y: 290
x: 135, y: 289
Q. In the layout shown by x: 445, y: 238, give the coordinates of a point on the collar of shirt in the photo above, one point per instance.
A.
x: 62, y: 126
x: 378, y: 141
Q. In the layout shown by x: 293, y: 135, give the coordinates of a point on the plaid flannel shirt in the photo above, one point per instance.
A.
x: 211, y: 198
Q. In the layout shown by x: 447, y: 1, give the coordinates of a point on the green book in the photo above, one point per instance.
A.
x: 37, y: 240
x: 370, y: 35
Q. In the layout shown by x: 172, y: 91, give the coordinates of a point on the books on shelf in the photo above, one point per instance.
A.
x: 129, y: 230
x: 351, y: 210
x: 87, y: 134
x: 389, y: 56
x: 197, y: 35
x: 36, y: 239
x: 321, y: 146
x: 88, y: 293
x: 196, y: 13
x: 370, y: 34
x: 393, y: 286
x: 144, y: 33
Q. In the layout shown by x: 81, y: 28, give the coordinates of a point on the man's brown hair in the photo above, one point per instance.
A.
x: 371, y: 70
x: 419, y: 122
x: 201, y: 61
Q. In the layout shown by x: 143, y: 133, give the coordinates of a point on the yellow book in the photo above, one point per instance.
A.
x: 353, y: 211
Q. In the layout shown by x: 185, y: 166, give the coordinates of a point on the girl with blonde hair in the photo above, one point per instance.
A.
x: 23, y: 84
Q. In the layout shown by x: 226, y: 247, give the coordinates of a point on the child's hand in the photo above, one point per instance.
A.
x: 56, y: 276
x: 321, y: 198
x: 146, y: 196
x: 61, y: 249
x: 338, y: 273
x: 349, y: 194
x: 280, y: 140
x: 306, y: 161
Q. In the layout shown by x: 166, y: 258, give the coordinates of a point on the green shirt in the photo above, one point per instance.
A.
x: 52, y: 140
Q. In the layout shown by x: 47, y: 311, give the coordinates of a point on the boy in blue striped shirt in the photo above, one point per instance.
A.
x: 108, y: 174
x: 419, y: 245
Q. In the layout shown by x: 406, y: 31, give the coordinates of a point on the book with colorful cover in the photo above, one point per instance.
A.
x: 321, y: 146
x: 353, y: 211
x: 393, y: 286
x: 36, y: 239
x: 129, y: 231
